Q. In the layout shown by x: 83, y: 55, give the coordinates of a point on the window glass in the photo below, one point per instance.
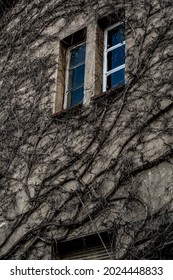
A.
x: 116, y: 57
x: 77, y: 96
x: 115, y: 79
x: 76, y: 73
x: 77, y: 55
x: 76, y: 76
x: 115, y: 36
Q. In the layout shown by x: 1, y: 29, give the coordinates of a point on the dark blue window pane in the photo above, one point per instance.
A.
x: 115, y: 36
x: 115, y: 79
x: 77, y: 55
x: 76, y: 77
x: 116, y: 57
x: 77, y: 96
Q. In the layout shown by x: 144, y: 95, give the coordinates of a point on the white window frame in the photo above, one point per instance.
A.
x: 66, y: 95
x: 106, y: 50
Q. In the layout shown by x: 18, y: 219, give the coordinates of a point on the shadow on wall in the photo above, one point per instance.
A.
x: 5, y: 5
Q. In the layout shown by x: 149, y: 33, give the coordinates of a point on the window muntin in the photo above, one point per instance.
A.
x: 115, y: 35
x: 75, y: 75
x: 114, y: 56
x: 115, y: 78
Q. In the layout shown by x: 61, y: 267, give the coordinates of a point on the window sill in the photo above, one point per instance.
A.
x: 116, y: 90
x: 76, y: 110
x: 72, y: 110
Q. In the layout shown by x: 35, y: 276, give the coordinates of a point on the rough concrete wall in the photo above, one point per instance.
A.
x: 107, y: 165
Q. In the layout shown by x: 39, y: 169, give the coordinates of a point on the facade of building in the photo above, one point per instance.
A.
x: 86, y: 144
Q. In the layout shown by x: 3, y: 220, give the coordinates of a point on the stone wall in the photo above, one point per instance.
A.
x: 106, y: 165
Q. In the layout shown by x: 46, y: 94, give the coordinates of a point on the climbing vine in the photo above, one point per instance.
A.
x: 102, y: 167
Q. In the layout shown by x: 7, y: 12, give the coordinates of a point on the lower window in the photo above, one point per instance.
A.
x: 92, y: 247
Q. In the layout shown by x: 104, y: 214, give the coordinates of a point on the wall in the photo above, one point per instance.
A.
x: 104, y: 166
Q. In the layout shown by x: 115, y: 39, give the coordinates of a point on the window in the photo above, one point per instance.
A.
x: 90, y: 61
x: 92, y: 247
x: 75, y: 76
x: 70, y: 71
x: 114, y: 56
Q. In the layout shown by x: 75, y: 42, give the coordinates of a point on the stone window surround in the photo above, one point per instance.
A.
x: 93, y: 83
